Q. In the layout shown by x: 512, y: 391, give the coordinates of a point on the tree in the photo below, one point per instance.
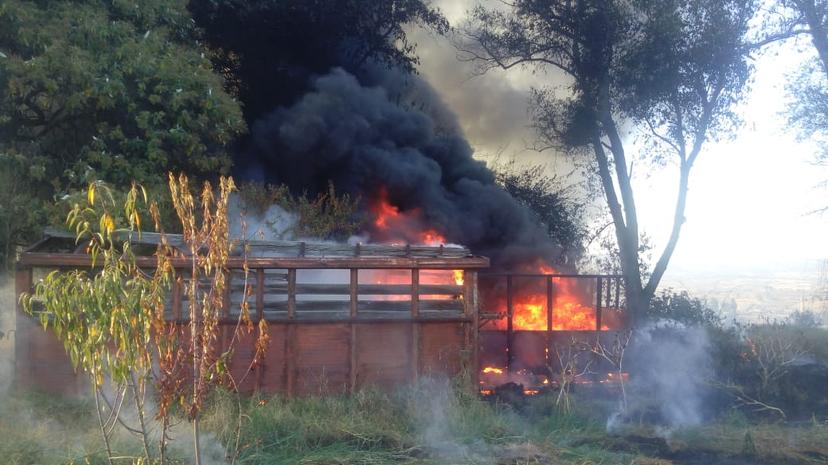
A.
x: 808, y: 113
x: 112, y: 318
x: 668, y: 72
x: 104, y: 90
x: 269, y: 49
x: 553, y: 204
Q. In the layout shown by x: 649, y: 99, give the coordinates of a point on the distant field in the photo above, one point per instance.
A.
x: 753, y: 296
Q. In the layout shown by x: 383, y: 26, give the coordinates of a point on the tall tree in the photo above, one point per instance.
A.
x: 808, y: 113
x: 103, y: 90
x: 667, y: 71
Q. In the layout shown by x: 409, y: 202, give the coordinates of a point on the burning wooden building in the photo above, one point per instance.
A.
x: 343, y: 317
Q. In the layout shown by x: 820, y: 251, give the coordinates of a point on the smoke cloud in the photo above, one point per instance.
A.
x: 669, y: 364
x: 395, y: 135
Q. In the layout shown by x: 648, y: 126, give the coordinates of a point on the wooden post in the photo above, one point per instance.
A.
x: 291, y: 294
x: 415, y: 323
x: 352, y: 348
x: 23, y: 325
x: 176, y: 297
x: 290, y: 339
x: 471, y: 310
x: 598, y: 304
x: 549, y: 317
x: 509, y: 328
x: 260, y: 366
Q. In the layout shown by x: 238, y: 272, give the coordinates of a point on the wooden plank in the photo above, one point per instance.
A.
x: 321, y: 359
x: 437, y: 263
x: 291, y: 293
x: 383, y: 357
x: 509, y: 324
x: 259, y: 294
x: 290, y: 360
x: 353, y: 368
x: 176, y: 297
x: 598, y: 292
x: 441, y: 349
x: 352, y: 340
x: 473, y: 311
x: 24, y: 324
x: 415, y: 326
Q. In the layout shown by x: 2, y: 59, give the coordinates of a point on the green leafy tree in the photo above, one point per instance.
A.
x: 106, y: 316
x: 118, y: 90
x: 554, y: 204
x: 669, y: 72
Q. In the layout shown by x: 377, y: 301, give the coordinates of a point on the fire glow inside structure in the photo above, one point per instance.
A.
x: 342, y: 317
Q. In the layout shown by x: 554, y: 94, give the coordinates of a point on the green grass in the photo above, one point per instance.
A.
x: 431, y: 424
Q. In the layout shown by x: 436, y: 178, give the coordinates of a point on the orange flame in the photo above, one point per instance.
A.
x: 397, y: 226
x: 573, y: 308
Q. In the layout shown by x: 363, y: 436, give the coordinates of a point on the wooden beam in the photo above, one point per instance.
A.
x: 353, y: 366
x: 436, y: 263
x: 509, y: 325
x: 23, y: 325
x: 176, y: 297
x: 260, y: 279
x: 598, y: 292
x: 471, y: 332
x: 415, y: 326
x: 291, y: 293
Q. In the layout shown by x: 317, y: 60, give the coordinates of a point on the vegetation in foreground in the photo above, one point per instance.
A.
x: 430, y: 424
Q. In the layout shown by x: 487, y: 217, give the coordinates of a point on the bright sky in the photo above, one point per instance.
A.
x: 749, y: 198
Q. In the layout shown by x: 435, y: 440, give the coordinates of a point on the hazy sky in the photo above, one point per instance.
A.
x: 749, y: 198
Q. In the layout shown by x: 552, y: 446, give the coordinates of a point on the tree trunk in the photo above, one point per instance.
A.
x: 818, y: 33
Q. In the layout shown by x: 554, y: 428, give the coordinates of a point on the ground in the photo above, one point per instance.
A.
x: 429, y: 425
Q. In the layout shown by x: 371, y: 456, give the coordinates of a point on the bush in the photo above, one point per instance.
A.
x: 683, y: 308
x: 328, y: 216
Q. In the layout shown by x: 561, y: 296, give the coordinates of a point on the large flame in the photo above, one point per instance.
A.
x: 573, y: 306
x: 399, y: 227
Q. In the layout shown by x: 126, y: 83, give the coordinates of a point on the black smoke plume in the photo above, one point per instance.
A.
x: 368, y: 138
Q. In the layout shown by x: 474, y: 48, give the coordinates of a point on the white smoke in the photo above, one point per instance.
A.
x: 273, y: 224
x: 669, y: 365
x: 434, y: 406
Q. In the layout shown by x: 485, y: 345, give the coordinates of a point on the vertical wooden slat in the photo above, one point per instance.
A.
x: 260, y: 367
x: 598, y: 304
x: 23, y: 324
x: 352, y: 342
x: 291, y: 297
x: 228, y: 289
x: 550, y: 315
x: 509, y: 328
x: 260, y: 280
x: 618, y: 293
x: 354, y: 291
x: 290, y: 339
x: 471, y: 310
x: 415, y: 293
x: 176, y: 297
x: 290, y: 363
x: 415, y: 324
